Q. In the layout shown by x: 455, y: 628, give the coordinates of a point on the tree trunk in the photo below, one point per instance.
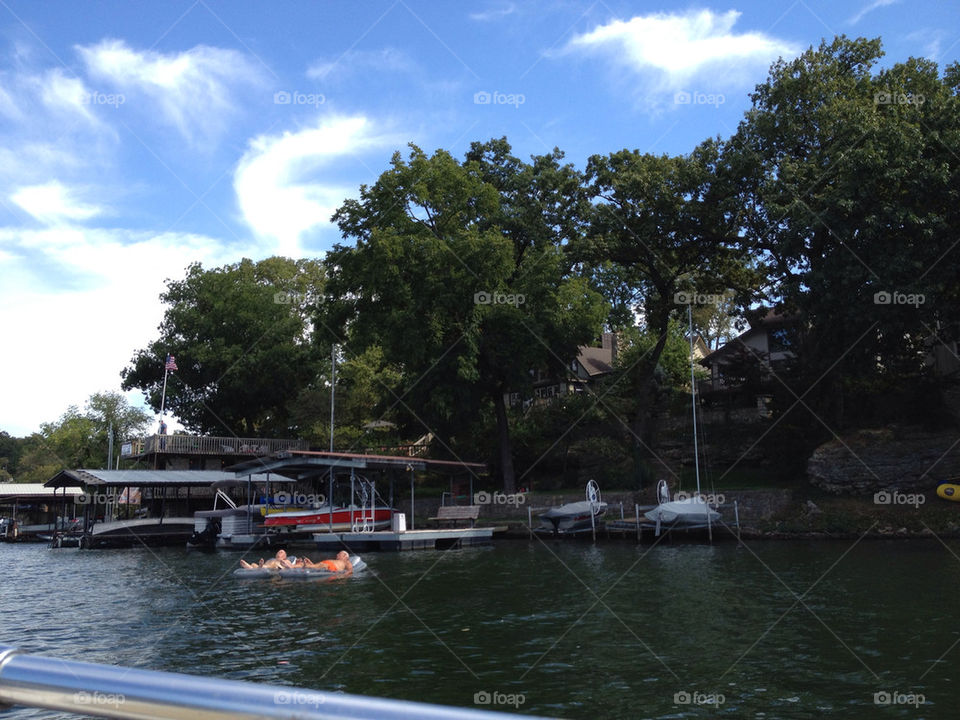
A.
x: 506, y: 451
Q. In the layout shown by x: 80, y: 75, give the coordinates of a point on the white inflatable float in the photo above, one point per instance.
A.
x: 300, y: 572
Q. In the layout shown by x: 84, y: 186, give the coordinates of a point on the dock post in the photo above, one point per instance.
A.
x: 736, y: 514
x: 530, y: 521
x: 636, y: 510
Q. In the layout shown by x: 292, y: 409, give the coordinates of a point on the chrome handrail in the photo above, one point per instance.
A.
x: 120, y: 692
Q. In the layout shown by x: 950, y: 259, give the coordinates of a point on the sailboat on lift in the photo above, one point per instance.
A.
x: 684, y: 511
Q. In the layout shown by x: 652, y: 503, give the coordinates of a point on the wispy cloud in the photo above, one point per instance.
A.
x: 277, y: 180
x: 668, y: 50
x: 494, y: 13
x: 869, y: 8
x: 387, y: 59
x: 194, y: 90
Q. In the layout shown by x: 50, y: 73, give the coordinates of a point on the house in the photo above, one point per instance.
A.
x: 770, y: 346
x: 590, y: 364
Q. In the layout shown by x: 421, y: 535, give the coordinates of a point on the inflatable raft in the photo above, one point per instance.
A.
x: 949, y: 490
x: 300, y: 573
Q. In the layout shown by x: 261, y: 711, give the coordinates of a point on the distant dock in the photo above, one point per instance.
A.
x: 388, y: 540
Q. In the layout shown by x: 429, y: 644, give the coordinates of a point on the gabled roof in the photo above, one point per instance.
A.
x: 596, y: 360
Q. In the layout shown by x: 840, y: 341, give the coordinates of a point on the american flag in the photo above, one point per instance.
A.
x: 171, y: 363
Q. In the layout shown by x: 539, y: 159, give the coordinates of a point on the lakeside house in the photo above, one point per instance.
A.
x: 751, y: 360
x: 201, y: 452
x: 590, y: 364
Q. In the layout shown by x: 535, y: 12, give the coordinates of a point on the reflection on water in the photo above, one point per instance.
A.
x: 777, y: 629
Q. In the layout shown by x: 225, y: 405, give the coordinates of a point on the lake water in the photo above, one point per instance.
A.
x: 770, y: 630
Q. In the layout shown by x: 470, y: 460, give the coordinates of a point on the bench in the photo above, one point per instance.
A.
x: 455, y: 513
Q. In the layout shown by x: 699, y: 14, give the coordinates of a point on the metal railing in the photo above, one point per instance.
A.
x: 119, y: 692
x: 205, y: 445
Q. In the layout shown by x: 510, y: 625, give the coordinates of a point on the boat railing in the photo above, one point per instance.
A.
x: 121, y: 692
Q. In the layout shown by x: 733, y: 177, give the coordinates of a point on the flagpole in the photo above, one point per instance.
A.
x: 163, y: 397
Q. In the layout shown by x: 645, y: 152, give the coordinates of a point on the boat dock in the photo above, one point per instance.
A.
x: 435, y: 539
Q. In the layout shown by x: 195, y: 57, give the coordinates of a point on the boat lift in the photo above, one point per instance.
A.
x: 120, y: 692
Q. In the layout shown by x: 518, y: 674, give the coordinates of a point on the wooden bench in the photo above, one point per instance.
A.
x: 455, y: 513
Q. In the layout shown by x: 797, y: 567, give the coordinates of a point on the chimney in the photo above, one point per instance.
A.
x: 609, y: 342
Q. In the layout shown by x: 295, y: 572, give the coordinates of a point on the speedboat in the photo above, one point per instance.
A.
x: 575, y: 517
x: 320, y: 519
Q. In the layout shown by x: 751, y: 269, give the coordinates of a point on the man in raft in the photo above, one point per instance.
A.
x: 340, y: 564
x: 278, y: 562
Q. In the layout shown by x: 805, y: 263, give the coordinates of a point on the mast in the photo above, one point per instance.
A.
x: 693, y: 399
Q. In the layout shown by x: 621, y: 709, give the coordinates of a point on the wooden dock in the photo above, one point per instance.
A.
x: 435, y: 539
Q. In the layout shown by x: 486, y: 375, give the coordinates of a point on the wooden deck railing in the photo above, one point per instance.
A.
x: 206, y: 445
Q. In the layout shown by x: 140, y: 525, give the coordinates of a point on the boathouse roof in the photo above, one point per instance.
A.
x: 30, y: 491
x: 138, y: 478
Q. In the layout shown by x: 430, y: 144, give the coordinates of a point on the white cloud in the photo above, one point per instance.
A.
x: 674, y: 49
x: 85, y: 313
x: 194, y: 90
x: 494, y: 13
x: 274, y: 180
x: 384, y: 60
x: 53, y: 203
x: 875, y: 5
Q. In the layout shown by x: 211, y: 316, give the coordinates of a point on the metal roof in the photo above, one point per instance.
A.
x: 137, y: 478
x: 11, y: 491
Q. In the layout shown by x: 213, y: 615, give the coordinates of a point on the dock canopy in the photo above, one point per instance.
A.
x: 10, y: 492
x: 305, y: 463
x: 138, y: 478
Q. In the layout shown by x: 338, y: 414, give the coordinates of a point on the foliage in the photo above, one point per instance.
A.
x: 850, y: 177
x: 458, y: 273
x: 79, y: 439
x: 242, y: 342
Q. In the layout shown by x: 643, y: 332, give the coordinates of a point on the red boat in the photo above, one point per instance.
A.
x: 344, y: 519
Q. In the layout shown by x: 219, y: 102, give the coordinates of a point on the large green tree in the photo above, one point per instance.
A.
x: 243, y: 347
x: 851, y: 179
x: 662, y: 234
x: 458, y: 273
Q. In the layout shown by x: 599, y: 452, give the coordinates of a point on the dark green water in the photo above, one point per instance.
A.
x: 778, y: 629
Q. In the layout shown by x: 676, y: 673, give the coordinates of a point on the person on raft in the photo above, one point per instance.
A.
x: 279, y: 562
x: 340, y: 564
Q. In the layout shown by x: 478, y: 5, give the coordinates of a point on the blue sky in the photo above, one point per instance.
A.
x: 136, y: 138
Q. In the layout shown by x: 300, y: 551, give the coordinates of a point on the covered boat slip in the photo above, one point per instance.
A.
x: 31, y: 511
x: 122, y: 508
x: 324, y: 470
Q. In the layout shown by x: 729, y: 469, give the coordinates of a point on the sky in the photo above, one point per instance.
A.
x: 139, y: 137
